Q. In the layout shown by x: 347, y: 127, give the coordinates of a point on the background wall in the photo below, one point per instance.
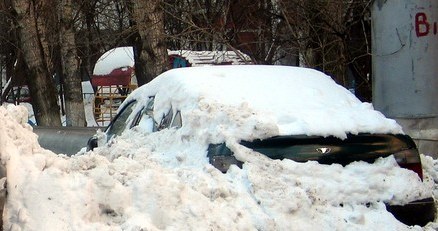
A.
x: 405, y: 67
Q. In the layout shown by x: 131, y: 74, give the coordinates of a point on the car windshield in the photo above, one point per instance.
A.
x: 120, y: 122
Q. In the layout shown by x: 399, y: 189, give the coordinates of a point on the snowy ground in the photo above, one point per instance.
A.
x: 139, y: 184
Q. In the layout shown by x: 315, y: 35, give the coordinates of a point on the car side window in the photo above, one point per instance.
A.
x: 166, y: 121
x: 146, y: 122
x: 119, y: 123
x: 177, y: 121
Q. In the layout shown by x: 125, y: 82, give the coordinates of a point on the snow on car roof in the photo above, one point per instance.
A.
x: 287, y: 100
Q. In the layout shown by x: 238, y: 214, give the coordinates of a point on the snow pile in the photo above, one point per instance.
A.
x: 284, y: 100
x: 163, y: 181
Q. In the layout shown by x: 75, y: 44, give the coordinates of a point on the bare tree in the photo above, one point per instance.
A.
x: 74, y: 106
x: 150, y: 50
x: 8, y: 54
x: 55, y: 33
x: 247, y: 26
x: 101, y: 25
x: 34, y: 47
x: 332, y: 36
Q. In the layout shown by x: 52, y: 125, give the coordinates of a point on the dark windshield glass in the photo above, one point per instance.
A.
x: 120, y: 122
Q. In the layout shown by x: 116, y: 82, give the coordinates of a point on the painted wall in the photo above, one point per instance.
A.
x: 405, y: 67
x: 405, y: 57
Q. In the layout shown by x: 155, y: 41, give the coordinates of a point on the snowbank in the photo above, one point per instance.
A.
x: 164, y: 182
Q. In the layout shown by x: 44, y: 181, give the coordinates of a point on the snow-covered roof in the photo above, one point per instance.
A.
x: 124, y: 57
x: 202, y: 58
x: 113, y: 59
x: 276, y: 100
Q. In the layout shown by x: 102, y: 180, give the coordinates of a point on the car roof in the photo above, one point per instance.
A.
x: 297, y: 100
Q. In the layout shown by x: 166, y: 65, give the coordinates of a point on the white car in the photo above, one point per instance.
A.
x: 281, y: 112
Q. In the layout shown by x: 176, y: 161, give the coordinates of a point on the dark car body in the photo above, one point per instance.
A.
x: 332, y: 150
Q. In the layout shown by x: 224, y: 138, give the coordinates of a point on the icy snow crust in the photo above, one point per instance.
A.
x: 163, y: 181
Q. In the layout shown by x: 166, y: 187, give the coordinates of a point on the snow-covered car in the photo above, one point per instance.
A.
x: 280, y: 112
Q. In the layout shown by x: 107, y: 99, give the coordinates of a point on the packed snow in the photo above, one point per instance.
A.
x: 163, y: 180
x: 138, y: 183
x: 278, y: 100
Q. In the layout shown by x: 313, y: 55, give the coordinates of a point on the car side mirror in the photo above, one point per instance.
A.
x: 221, y: 157
x: 92, y: 143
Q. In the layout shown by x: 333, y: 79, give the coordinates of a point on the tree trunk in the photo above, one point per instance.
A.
x: 41, y: 86
x: 74, y: 104
x: 151, y: 50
